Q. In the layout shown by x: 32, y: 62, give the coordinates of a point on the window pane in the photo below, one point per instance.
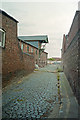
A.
x: 32, y: 50
x: 27, y: 48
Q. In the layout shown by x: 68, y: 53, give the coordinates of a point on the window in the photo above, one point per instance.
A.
x: 36, y: 52
x: 22, y: 46
x: 2, y: 38
x: 31, y: 50
x: 27, y: 48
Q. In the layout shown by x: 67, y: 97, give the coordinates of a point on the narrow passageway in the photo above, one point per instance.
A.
x: 37, y: 96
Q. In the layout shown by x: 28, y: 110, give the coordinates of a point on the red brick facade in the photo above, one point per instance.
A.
x: 13, y: 59
x: 41, y: 59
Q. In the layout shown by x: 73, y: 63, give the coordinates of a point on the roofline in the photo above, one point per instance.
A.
x: 76, y: 13
x: 4, y: 13
x: 46, y: 52
x: 36, y: 40
x: 27, y: 43
x: 30, y: 45
x: 35, y: 36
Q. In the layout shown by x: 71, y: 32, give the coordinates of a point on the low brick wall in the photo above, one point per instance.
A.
x: 43, y: 59
x: 29, y: 63
x: 15, y: 61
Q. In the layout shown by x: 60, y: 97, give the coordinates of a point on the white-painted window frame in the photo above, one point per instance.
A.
x: 22, y: 46
x: 2, y: 37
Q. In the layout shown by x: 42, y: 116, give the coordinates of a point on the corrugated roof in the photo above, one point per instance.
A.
x: 42, y: 38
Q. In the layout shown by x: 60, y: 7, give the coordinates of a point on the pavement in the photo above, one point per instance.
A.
x: 37, y: 96
x: 67, y: 106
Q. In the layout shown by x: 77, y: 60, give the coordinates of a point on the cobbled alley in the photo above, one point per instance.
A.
x: 37, y: 96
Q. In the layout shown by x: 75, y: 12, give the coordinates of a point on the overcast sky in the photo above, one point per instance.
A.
x: 43, y: 18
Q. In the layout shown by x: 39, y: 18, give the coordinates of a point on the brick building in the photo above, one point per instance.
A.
x: 13, y: 59
x: 70, y: 55
x: 33, y: 46
x: 17, y: 55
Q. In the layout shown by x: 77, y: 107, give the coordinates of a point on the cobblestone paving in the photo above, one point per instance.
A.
x: 33, y: 96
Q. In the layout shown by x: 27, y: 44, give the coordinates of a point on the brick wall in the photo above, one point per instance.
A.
x: 70, y: 57
x: 13, y: 60
x: 0, y: 57
x: 70, y: 63
x: 0, y: 61
x: 36, y: 55
x: 43, y: 59
x: 35, y: 52
x: 73, y: 29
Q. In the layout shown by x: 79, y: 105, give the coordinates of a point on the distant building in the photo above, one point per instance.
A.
x: 71, y: 53
x: 53, y: 60
x: 49, y: 62
x: 56, y: 58
x: 33, y: 46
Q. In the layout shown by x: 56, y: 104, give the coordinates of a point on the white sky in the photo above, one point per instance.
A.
x: 43, y: 18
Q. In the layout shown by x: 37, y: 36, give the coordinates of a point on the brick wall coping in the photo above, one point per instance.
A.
x: 77, y: 13
x: 74, y: 39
